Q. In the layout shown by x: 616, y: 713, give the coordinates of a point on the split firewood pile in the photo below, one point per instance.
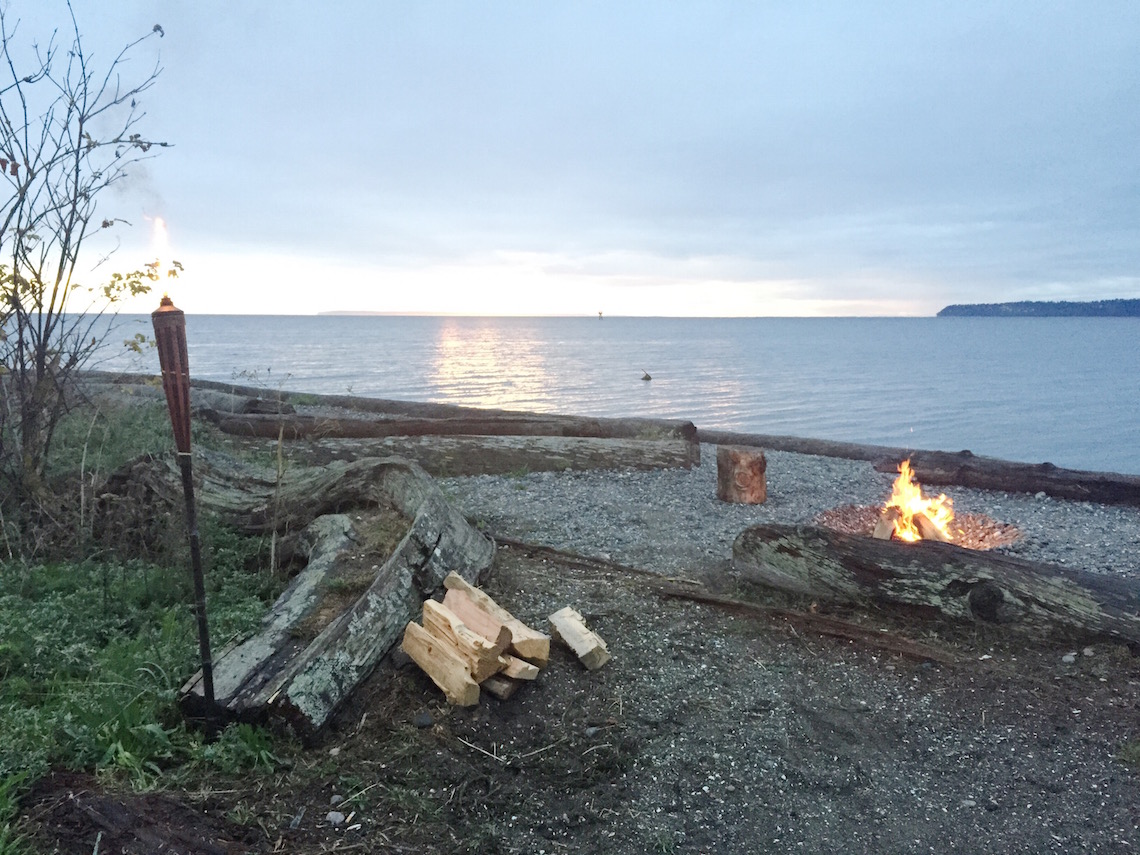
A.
x: 469, y: 642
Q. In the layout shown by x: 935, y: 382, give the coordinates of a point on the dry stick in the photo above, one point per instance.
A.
x: 503, y: 759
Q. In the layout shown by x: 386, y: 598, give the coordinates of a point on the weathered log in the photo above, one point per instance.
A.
x: 959, y: 583
x: 453, y: 456
x: 294, y: 427
x: 962, y: 469
x: 251, y: 499
x: 284, y: 672
x: 801, y: 445
x: 987, y: 473
x: 741, y: 475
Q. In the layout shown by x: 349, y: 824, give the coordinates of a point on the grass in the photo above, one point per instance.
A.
x: 92, y: 655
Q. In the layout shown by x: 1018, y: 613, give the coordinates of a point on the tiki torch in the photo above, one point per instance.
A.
x: 170, y: 336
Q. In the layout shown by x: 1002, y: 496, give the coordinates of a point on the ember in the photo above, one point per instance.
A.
x: 908, y: 515
x: 972, y: 531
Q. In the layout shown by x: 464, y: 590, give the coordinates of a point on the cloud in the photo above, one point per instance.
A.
x: 958, y: 151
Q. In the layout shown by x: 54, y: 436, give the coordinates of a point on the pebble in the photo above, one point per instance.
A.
x: 670, y: 521
x: 336, y: 800
x: 423, y: 719
x: 1069, y: 658
x: 593, y: 731
x: 334, y: 817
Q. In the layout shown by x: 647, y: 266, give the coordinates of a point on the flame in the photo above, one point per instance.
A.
x: 906, y: 497
x: 160, y: 238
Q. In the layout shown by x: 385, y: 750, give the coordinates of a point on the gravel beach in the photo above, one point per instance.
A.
x: 670, y: 521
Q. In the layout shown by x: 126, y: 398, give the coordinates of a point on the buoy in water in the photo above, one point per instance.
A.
x: 645, y: 376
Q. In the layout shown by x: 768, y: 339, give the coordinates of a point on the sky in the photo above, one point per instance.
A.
x: 660, y: 158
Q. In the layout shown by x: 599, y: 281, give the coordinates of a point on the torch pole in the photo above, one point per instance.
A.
x: 199, y: 580
x: 170, y: 337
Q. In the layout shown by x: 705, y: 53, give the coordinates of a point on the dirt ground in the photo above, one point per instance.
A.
x: 712, y: 729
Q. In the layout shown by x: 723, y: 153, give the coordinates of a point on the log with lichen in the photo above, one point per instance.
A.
x: 956, y: 582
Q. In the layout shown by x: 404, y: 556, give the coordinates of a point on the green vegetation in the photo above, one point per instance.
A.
x: 92, y: 654
x: 1045, y: 309
x: 95, y: 641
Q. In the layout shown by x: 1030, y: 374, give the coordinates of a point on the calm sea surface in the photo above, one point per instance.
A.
x: 1065, y: 390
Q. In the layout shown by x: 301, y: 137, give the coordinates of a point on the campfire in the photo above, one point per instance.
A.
x: 908, y: 515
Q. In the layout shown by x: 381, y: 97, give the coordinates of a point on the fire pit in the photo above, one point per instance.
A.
x: 910, y: 516
x: 914, y: 552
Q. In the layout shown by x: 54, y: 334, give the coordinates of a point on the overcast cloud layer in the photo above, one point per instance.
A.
x: 656, y: 158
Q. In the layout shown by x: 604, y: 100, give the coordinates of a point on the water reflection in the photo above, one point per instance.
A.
x: 489, y: 365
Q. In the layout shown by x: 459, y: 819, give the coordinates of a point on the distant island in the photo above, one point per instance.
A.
x: 1045, y: 309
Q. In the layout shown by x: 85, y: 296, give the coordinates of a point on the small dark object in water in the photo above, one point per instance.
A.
x: 645, y: 376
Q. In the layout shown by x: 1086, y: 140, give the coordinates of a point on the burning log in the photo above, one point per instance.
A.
x: 959, y: 583
x: 987, y: 473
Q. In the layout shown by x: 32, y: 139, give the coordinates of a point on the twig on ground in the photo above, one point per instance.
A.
x: 493, y: 756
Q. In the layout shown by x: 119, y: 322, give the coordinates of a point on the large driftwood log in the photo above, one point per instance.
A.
x: 962, y: 468
x: 958, y: 582
x: 251, y: 499
x: 293, y: 427
x: 452, y: 456
x: 283, y: 672
x: 987, y: 473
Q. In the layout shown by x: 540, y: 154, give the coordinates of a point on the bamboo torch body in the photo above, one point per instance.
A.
x: 170, y: 337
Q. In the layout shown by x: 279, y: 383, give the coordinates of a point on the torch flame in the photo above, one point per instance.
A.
x: 906, y: 497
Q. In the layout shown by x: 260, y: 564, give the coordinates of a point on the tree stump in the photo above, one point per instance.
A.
x: 741, y: 475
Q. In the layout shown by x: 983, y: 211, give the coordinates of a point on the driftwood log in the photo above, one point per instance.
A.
x: 452, y: 456
x: 251, y: 499
x: 986, y: 473
x: 957, y: 582
x: 962, y: 469
x: 303, y: 663
x: 293, y: 426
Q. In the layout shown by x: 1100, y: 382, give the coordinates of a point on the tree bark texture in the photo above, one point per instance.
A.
x: 959, y: 583
x: 741, y: 475
x: 282, y: 674
x: 452, y: 456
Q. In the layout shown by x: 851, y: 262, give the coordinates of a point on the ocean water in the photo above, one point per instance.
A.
x: 1063, y: 390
